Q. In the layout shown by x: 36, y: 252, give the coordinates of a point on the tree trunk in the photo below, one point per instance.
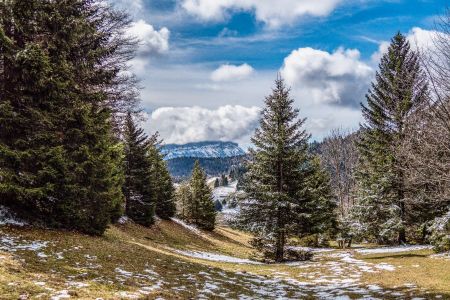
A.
x: 402, y: 232
x: 279, y: 255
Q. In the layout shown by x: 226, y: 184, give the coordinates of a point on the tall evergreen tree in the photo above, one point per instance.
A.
x: 139, y: 188
x: 201, y: 210
x: 283, y: 195
x: 164, y: 189
x: 399, y: 90
x: 60, y: 83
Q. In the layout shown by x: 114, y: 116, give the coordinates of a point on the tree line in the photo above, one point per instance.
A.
x: 71, y: 155
x: 391, y: 176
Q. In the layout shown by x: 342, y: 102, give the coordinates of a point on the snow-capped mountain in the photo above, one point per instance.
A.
x: 202, y: 150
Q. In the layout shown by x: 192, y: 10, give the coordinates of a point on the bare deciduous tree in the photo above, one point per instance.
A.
x: 339, y: 157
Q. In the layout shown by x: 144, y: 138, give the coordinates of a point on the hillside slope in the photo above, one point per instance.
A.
x: 175, y: 261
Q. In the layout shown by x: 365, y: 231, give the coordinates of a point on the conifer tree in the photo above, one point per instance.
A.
x: 60, y: 88
x: 201, y: 209
x: 399, y: 90
x: 139, y: 188
x: 216, y: 183
x: 184, y: 201
x: 283, y: 188
x: 164, y: 189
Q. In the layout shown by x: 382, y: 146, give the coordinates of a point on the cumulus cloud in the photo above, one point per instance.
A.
x: 231, y: 72
x: 338, y: 78
x: 151, y: 41
x: 270, y: 12
x: 191, y: 124
x: 419, y: 39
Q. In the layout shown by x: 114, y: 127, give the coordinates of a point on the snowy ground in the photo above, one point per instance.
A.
x: 216, y: 257
x: 222, y: 192
x: 332, y: 274
x: 341, y: 280
x: 406, y: 248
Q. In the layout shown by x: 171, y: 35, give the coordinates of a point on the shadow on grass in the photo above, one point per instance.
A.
x: 394, y: 255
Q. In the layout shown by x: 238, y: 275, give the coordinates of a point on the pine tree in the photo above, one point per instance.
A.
x: 139, y: 186
x: 164, y: 189
x: 201, y: 210
x: 224, y: 180
x: 283, y: 195
x: 399, y: 90
x: 216, y: 183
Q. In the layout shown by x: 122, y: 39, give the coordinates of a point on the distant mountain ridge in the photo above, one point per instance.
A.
x: 209, y: 149
x: 215, y: 157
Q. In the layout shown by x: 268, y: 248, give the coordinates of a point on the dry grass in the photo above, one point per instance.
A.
x: 416, y: 268
x: 132, y: 248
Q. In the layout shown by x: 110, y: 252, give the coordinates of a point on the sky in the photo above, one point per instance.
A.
x: 205, y: 66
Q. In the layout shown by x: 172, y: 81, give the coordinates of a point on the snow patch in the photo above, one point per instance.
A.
x: 314, y: 250
x: 394, y: 249
x: 187, y: 226
x: 123, y: 220
x: 216, y: 257
x: 8, y: 218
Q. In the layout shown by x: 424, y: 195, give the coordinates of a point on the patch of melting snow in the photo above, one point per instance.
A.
x: 76, y: 284
x: 394, y: 249
x: 145, y: 290
x: 216, y: 257
x: 187, y: 226
x: 384, y: 266
x: 445, y: 255
x: 8, y: 218
x: 362, y: 265
x: 123, y: 220
x: 123, y: 272
x: 314, y: 250
x: 128, y: 295
x: 64, y: 294
x: 13, y: 244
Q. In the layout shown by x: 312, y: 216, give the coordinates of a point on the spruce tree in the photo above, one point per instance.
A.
x: 201, y: 210
x: 163, y: 185
x: 60, y: 84
x: 399, y: 90
x: 216, y: 183
x: 139, y: 186
x: 282, y: 194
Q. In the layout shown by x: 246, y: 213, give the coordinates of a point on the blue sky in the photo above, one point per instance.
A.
x: 206, y: 65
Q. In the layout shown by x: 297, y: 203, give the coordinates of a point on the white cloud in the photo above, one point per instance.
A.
x: 192, y: 124
x: 273, y: 13
x: 151, y: 41
x: 231, y: 72
x: 419, y: 39
x: 338, y: 78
